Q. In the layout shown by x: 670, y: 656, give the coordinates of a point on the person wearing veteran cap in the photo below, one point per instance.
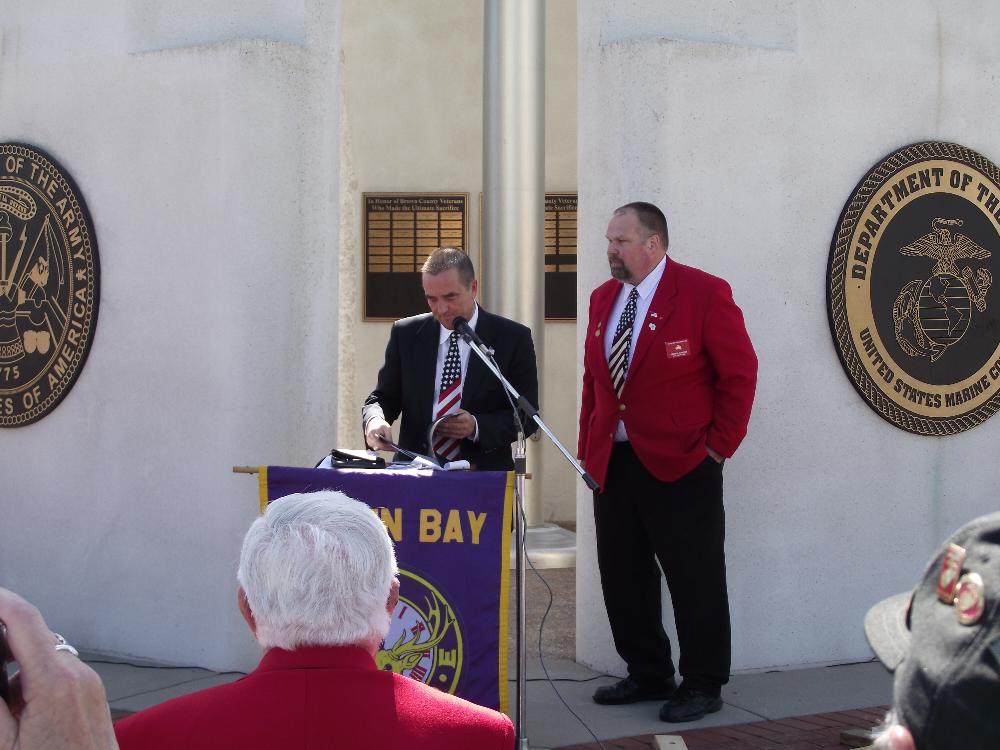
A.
x: 942, y: 641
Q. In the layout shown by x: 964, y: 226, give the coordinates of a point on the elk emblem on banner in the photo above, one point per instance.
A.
x: 427, y: 642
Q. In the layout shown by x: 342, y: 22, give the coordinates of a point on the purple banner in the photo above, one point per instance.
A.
x: 452, y: 535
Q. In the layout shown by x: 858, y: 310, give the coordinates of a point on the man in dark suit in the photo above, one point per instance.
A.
x: 429, y: 371
x: 317, y: 588
x: 669, y: 379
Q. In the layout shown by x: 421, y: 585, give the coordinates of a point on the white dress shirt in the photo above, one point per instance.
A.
x: 646, y: 288
x: 464, y: 352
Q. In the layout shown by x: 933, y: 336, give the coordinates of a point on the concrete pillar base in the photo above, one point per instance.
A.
x: 548, y: 546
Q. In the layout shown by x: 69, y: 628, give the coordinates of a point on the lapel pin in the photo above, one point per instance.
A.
x: 951, y: 570
x: 652, y: 326
x: 653, y: 315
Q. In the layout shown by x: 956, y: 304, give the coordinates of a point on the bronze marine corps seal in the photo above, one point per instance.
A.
x: 49, y: 276
x: 910, y: 288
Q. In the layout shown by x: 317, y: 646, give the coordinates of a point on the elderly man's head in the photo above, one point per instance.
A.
x: 318, y: 569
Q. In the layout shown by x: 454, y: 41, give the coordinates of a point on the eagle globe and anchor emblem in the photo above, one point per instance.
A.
x: 425, y: 636
x: 930, y: 315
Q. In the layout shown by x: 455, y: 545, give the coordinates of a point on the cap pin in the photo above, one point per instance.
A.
x: 951, y: 569
x: 969, y: 599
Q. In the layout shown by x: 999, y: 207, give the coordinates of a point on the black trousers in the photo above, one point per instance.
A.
x: 682, y: 524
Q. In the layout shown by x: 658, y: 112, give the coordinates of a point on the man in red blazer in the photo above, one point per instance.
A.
x: 668, y: 383
x: 317, y: 585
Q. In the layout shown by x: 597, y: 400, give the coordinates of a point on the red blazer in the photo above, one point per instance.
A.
x: 691, y: 377
x: 317, y: 697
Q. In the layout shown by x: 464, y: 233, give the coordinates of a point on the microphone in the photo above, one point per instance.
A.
x: 461, y: 325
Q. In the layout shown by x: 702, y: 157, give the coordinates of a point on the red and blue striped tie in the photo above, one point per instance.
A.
x: 622, y: 344
x: 449, y: 398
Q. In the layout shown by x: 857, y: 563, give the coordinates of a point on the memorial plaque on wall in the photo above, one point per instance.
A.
x: 400, y: 231
x: 911, y: 291
x: 560, y: 256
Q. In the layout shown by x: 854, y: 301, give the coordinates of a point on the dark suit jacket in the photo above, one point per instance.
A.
x: 317, y: 697
x: 406, y: 386
x: 691, y: 378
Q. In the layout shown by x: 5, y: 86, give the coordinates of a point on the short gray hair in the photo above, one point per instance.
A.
x: 445, y: 258
x: 650, y: 218
x: 317, y: 570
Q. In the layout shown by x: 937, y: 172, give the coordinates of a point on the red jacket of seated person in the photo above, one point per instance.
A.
x: 317, y: 697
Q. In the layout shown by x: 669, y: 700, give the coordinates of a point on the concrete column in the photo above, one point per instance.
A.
x: 514, y: 177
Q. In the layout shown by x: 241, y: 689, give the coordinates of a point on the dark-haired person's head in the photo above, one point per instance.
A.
x: 650, y: 218
x: 450, y: 285
x: 637, y: 241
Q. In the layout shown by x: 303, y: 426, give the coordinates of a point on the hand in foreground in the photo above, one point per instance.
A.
x: 460, y: 424
x: 895, y: 738
x: 378, y: 435
x: 57, y: 701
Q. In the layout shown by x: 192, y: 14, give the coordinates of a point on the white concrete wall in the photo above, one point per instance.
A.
x: 412, y: 121
x: 205, y: 142
x: 750, y: 124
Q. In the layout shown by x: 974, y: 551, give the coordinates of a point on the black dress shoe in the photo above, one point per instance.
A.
x: 630, y: 690
x: 688, y: 704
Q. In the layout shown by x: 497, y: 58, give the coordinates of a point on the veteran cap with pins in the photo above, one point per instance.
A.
x: 943, y: 643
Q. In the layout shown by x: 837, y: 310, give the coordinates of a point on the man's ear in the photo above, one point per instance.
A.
x: 244, y: 607
x: 656, y: 244
x: 390, y: 605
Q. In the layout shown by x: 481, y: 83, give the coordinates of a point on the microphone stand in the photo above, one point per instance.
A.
x: 518, y: 402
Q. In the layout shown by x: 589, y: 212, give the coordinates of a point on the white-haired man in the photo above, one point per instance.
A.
x: 317, y: 583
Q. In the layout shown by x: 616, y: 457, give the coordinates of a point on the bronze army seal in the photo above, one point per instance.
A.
x: 910, y: 288
x: 49, y: 277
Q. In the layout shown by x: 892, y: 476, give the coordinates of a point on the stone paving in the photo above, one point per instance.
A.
x: 813, y: 732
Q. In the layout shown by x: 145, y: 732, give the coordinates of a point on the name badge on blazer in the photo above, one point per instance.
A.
x: 678, y: 348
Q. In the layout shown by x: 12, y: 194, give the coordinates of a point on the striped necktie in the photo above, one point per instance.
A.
x: 449, y: 398
x: 618, y: 359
